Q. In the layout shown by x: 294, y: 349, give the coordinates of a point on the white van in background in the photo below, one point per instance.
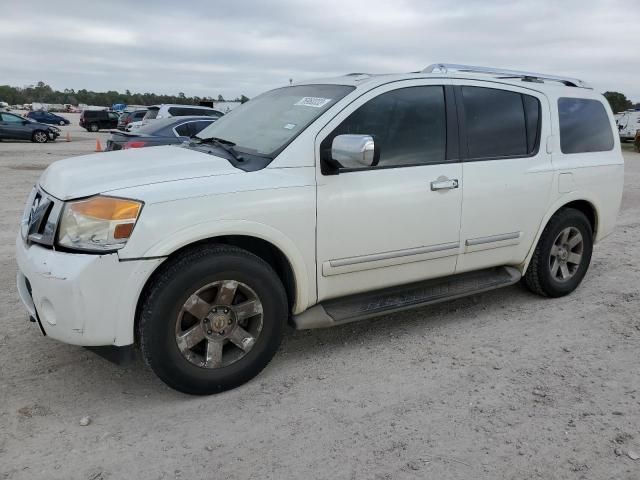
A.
x: 628, y: 123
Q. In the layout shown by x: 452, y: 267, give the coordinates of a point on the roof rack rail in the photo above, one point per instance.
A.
x: 503, y: 73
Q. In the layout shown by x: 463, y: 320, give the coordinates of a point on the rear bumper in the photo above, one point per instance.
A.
x: 80, y: 299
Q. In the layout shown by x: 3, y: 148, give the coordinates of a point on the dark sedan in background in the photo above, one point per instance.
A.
x: 166, y: 131
x: 48, y: 118
x: 14, y: 127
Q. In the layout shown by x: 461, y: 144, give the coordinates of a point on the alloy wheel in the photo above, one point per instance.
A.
x: 566, y: 254
x: 40, y: 137
x: 219, y: 324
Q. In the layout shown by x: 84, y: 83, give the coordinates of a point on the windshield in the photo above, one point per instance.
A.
x: 268, y: 123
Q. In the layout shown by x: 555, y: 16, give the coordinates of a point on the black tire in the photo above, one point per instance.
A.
x: 40, y: 136
x: 177, y: 281
x: 539, y: 278
x: 61, y: 123
x: 93, y: 127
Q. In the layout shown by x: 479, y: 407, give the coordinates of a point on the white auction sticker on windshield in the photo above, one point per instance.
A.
x: 290, y: 126
x: 316, y: 102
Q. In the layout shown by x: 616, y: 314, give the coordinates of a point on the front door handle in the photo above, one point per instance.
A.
x: 444, y: 183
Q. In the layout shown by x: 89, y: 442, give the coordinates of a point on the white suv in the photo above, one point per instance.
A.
x: 168, y: 110
x: 320, y: 204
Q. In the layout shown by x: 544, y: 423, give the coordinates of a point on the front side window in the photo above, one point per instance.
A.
x: 408, y: 125
x: 584, y: 126
x: 500, y: 123
x: 266, y: 124
x: 9, y: 118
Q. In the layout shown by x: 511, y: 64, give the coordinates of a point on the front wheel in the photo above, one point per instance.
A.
x: 40, y: 137
x: 94, y: 127
x: 563, y: 254
x: 61, y: 123
x: 213, y: 319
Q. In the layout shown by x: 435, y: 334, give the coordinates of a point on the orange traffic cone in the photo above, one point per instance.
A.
x: 68, y: 137
x: 98, y: 146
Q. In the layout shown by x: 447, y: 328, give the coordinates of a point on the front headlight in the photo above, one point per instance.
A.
x: 98, y: 223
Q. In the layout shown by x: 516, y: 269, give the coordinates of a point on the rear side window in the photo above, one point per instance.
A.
x: 186, y: 129
x: 184, y: 111
x: 584, y: 126
x: 500, y: 123
x: 151, y: 114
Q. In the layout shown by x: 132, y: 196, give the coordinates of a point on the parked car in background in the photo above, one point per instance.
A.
x: 156, y: 112
x: 166, y: 131
x: 127, y: 117
x: 94, y: 120
x: 628, y: 123
x: 14, y: 127
x: 48, y: 118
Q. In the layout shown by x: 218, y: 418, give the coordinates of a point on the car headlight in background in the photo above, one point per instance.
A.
x: 98, y: 223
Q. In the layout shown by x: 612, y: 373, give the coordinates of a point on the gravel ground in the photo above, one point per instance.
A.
x: 502, y: 385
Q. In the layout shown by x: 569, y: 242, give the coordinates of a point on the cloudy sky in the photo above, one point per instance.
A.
x: 234, y: 47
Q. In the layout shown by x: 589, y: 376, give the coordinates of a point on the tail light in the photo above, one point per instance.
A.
x: 134, y: 144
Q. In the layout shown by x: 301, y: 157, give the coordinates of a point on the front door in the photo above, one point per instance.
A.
x: 399, y: 221
x: 13, y: 127
x: 507, y: 171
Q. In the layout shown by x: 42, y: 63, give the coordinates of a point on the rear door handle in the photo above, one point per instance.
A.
x: 444, y: 184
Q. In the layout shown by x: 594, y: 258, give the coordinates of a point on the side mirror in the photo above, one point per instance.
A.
x: 354, y: 151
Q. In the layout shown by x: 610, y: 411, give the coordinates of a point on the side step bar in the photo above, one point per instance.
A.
x: 381, y: 302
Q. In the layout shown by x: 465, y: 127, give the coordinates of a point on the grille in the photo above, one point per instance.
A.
x: 40, y: 218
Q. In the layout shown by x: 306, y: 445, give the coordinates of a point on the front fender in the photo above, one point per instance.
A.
x: 166, y: 245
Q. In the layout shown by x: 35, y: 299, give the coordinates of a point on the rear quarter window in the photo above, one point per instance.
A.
x: 584, y: 126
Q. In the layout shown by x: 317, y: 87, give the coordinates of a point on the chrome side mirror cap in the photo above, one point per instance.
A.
x: 354, y: 151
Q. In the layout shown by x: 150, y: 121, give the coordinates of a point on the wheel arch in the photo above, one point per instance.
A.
x: 260, y: 247
x: 584, y: 205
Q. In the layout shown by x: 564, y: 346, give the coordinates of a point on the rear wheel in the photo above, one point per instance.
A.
x: 563, y: 254
x: 212, y: 320
x: 94, y: 127
x: 40, y: 136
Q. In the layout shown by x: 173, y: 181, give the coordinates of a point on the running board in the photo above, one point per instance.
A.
x: 393, y: 299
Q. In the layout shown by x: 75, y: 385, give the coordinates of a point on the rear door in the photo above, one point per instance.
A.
x: 507, y: 171
x: 392, y: 223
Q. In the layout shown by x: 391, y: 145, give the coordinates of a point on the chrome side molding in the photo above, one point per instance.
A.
x: 493, y: 238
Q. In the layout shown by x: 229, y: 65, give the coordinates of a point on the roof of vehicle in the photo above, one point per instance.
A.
x: 534, y: 81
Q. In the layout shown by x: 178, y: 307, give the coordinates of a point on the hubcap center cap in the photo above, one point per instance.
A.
x: 563, y: 253
x: 219, y: 321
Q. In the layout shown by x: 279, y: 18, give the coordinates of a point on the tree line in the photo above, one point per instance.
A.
x: 619, y: 102
x: 43, y: 93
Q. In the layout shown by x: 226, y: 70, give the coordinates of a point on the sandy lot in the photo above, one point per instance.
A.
x: 502, y: 385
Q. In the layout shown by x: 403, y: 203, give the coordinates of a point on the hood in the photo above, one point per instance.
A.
x: 102, y: 172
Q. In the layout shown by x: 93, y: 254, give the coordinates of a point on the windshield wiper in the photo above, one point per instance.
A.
x: 225, y: 145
